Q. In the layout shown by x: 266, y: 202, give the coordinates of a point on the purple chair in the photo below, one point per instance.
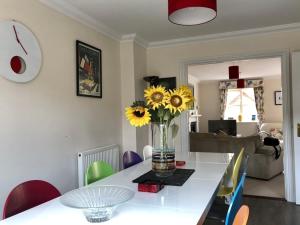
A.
x: 131, y: 158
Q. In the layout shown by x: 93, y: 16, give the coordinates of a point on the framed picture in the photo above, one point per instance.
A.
x: 88, y: 70
x: 167, y: 82
x: 278, y: 97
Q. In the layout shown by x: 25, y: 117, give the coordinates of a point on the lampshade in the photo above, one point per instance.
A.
x: 240, y: 83
x: 192, y: 12
x: 233, y: 72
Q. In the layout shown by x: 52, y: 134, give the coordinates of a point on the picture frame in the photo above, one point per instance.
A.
x: 278, y: 97
x: 168, y: 82
x: 88, y: 70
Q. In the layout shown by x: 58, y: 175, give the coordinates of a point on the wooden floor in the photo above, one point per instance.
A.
x: 269, y: 212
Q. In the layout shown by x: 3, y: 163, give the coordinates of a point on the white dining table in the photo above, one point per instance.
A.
x: 173, y: 205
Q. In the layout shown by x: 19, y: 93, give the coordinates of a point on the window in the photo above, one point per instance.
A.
x: 241, y: 102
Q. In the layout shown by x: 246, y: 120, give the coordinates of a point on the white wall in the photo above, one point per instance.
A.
x: 140, y: 71
x: 43, y: 123
x: 273, y: 113
x: 133, y: 69
x: 127, y: 93
x: 209, y: 103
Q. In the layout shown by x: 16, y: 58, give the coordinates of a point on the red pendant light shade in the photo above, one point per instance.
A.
x: 240, y: 83
x: 192, y: 12
x: 234, y: 72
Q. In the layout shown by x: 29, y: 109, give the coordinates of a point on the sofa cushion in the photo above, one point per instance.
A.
x: 271, y: 129
x: 276, y: 133
x: 266, y: 150
x: 248, y: 143
x: 268, y: 126
x: 204, y: 142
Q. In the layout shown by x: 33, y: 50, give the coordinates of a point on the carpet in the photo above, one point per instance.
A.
x: 273, y: 188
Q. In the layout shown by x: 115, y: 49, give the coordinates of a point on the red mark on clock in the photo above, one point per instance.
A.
x: 18, y: 65
x: 18, y: 40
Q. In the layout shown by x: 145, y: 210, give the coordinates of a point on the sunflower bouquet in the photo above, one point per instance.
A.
x: 160, y: 108
x: 161, y: 105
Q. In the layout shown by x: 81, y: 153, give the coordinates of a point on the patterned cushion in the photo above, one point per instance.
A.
x: 271, y: 130
x: 276, y: 133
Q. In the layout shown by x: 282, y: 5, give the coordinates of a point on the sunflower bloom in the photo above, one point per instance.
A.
x: 176, y: 100
x: 189, y: 94
x: 155, y: 96
x: 138, y: 116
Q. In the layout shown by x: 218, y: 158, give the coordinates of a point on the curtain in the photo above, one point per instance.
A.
x: 259, y: 102
x: 223, y: 100
x: 256, y: 84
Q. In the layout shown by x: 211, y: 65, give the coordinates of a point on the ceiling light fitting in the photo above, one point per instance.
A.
x: 240, y: 83
x: 234, y: 72
x: 192, y: 12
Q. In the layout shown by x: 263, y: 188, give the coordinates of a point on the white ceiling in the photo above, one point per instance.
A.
x: 149, y: 18
x: 252, y: 68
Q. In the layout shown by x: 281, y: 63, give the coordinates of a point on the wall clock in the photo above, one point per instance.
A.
x: 20, y: 53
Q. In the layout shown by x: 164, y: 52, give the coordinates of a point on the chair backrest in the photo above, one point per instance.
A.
x: 241, y: 217
x: 244, y: 167
x: 28, y: 195
x: 131, y: 158
x: 147, y: 152
x: 236, y: 202
x: 236, y: 169
x: 97, y: 171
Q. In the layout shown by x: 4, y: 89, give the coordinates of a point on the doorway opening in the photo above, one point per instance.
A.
x: 259, y: 109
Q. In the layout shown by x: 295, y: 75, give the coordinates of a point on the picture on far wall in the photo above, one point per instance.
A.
x: 88, y: 70
x: 168, y: 82
x: 278, y: 97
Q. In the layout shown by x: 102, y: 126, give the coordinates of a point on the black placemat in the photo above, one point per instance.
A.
x: 178, y: 178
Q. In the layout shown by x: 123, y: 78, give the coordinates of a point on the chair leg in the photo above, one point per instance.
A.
x: 215, y: 219
x: 228, y: 199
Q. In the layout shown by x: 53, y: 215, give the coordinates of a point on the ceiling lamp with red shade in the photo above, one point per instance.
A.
x: 192, y: 12
x: 240, y: 83
x: 234, y: 72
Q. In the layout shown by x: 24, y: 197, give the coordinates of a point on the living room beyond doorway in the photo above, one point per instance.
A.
x: 238, y: 104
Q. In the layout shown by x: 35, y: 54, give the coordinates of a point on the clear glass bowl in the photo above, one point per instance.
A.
x: 97, y: 202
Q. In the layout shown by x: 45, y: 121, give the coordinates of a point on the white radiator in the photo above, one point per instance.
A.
x: 109, y: 154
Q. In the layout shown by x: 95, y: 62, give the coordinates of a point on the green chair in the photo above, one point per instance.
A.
x: 225, y: 190
x: 97, y: 171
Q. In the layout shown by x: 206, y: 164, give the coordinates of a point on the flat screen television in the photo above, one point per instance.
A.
x: 227, y: 126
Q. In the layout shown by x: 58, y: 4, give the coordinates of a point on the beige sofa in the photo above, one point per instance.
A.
x: 261, y: 164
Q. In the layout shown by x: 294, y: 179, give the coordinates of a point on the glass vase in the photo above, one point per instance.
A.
x: 163, y: 155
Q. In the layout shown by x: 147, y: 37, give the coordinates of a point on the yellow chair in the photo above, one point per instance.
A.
x: 242, y: 216
x: 225, y: 190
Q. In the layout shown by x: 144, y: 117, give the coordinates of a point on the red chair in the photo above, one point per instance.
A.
x: 28, y: 195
